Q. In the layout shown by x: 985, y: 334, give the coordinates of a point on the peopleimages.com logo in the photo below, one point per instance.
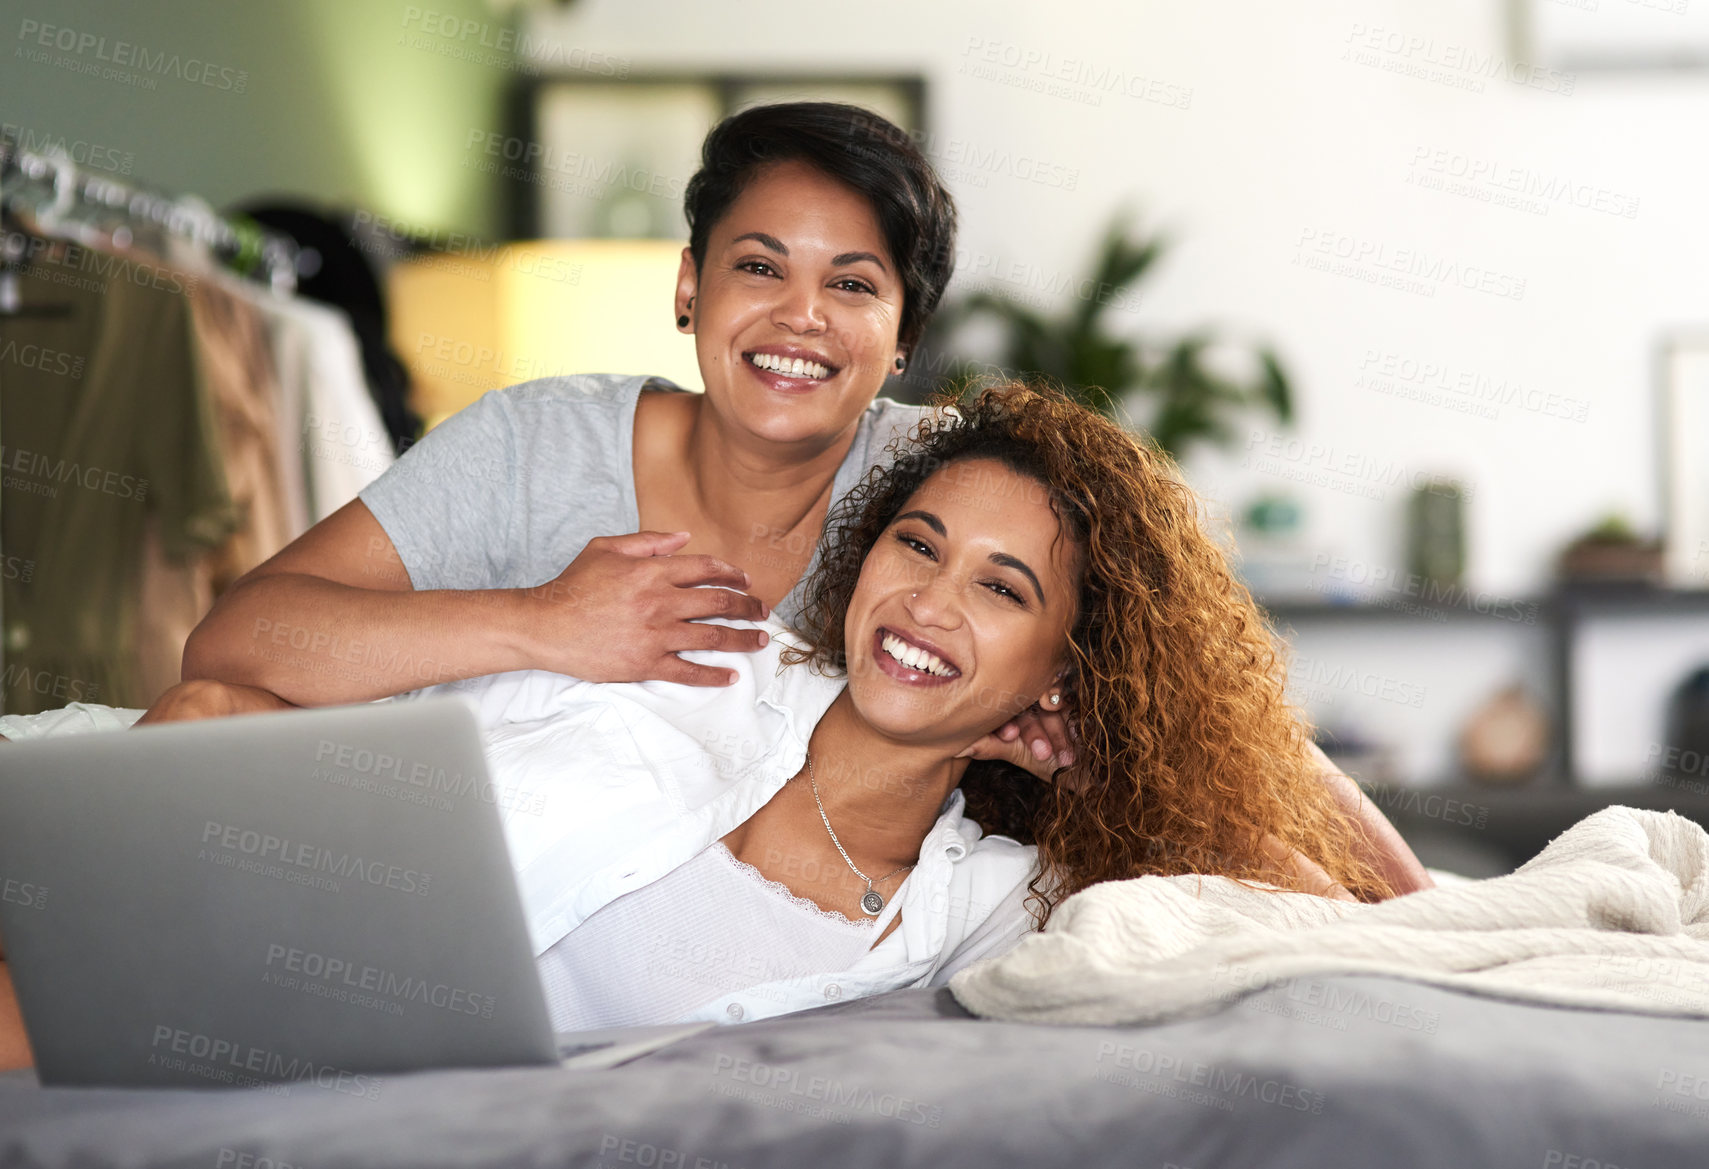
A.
x: 336, y: 976
x: 112, y: 59
x: 296, y: 854
x: 228, y: 1061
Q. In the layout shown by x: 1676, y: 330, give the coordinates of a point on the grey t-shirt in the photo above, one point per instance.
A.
x: 506, y: 492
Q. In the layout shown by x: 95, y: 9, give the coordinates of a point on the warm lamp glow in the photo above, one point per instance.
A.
x: 489, y: 317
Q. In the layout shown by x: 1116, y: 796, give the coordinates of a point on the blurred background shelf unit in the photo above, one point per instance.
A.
x: 1391, y: 683
x: 1603, y: 661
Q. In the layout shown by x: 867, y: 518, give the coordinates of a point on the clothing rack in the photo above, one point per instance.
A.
x: 94, y: 208
x: 67, y: 201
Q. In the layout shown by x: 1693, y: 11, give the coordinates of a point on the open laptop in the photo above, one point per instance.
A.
x: 314, y: 896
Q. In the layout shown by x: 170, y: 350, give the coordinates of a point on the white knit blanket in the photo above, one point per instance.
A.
x: 1613, y: 914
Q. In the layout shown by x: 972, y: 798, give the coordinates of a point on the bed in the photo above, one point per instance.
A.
x: 1328, y: 1072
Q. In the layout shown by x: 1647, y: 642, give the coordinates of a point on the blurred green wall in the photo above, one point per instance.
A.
x: 363, y: 102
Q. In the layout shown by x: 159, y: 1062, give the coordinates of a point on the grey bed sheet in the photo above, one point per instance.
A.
x: 1320, y: 1073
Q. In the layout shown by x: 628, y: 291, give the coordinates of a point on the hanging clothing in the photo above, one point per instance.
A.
x: 166, y: 428
x: 237, y: 362
x: 339, y: 441
x: 345, y: 278
x: 117, y: 439
x: 286, y: 393
x: 232, y: 348
x: 172, y: 596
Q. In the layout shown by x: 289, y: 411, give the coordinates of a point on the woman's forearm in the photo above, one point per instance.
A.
x: 1376, y: 841
x: 315, y: 642
x: 14, y: 1044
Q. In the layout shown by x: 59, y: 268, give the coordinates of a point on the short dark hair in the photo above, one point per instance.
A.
x: 857, y: 148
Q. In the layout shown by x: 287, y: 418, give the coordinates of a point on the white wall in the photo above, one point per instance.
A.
x: 326, y: 100
x: 1287, y: 132
x: 1309, y: 126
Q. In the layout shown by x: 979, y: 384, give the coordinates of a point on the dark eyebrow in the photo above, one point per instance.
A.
x: 837, y: 261
x: 1019, y: 566
x: 1002, y: 558
x: 927, y: 518
x: 770, y: 241
x: 855, y: 258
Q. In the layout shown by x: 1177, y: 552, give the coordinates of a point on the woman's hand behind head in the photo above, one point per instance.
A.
x: 1038, y: 741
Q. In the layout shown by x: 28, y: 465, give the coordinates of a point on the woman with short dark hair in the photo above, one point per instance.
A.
x: 820, y: 242
x: 857, y: 148
x: 592, y: 525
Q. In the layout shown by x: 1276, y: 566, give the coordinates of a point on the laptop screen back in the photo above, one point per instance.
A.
x: 306, y: 896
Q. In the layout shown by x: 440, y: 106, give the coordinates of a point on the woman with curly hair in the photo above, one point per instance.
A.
x: 821, y: 829
x: 1191, y: 760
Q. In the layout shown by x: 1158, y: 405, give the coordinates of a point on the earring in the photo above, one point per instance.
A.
x: 914, y: 596
x: 1055, y: 699
x: 901, y: 365
x: 682, y: 322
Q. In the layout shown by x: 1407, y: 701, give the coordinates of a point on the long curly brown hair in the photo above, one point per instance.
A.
x: 1189, y: 756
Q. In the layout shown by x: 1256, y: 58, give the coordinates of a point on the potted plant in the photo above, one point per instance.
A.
x: 1611, y: 552
x: 1076, y: 348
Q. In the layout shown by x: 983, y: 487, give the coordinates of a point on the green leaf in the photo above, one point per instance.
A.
x: 1100, y: 367
x: 1274, y: 390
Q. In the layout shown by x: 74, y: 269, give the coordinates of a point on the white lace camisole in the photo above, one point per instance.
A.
x: 711, y: 926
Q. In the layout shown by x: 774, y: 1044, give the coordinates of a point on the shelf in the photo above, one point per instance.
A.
x: 1512, y: 611
x: 1518, y: 821
x: 1559, y: 615
x: 1546, y: 792
x: 1629, y: 599
x: 1573, y: 602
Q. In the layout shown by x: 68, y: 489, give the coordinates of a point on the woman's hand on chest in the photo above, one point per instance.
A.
x: 627, y: 606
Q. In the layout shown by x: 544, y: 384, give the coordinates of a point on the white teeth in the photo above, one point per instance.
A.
x: 915, y: 658
x: 790, y: 367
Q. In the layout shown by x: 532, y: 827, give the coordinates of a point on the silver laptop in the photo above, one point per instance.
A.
x: 313, y: 897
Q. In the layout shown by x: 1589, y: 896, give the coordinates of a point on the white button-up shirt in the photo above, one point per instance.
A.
x: 608, y: 787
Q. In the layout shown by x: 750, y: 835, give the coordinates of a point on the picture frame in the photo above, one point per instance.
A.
x: 1683, y: 438
x: 1602, y: 36
x: 609, y: 157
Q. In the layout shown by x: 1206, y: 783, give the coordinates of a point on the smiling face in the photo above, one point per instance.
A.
x: 962, y: 612
x: 796, y: 308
